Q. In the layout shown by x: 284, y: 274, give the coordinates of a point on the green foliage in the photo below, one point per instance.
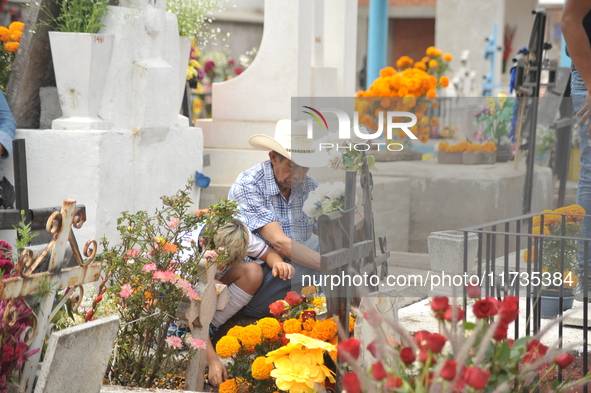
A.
x: 78, y: 16
x: 24, y: 235
x: 193, y: 17
x: 495, y: 119
x: 149, y: 273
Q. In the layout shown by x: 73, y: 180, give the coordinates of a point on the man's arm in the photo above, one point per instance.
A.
x: 290, y: 249
x: 7, y: 128
x: 278, y: 266
x: 578, y: 46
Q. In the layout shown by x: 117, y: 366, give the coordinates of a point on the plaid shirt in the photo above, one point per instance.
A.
x: 260, y: 202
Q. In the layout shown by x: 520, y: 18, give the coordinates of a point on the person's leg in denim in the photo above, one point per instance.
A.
x: 578, y: 93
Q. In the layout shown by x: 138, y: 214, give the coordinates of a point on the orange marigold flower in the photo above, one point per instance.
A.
x: 385, y: 102
x: 11, y: 47
x: 250, y: 336
x: 438, y: 52
x: 260, y: 369
x: 201, y: 212
x: 308, y: 325
x: 292, y: 326
x: 526, y: 256
x: 448, y: 57
x: 324, y: 330
x: 431, y: 51
x: 536, y: 231
x: 434, y: 122
x: 431, y: 94
x: 443, y: 146
x: 433, y: 63
x: 444, y: 81
x: 16, y: 35
x: 424, y: 138
x: 235, y: 331
x: 270, y: 327
x: 4, y: 34
x: 435, y: 104
x: 169, y: 247
x: 388, y: 71
x: 421, y: 66
x: 351, y: 325
x: 425, y: 59
x: 227, y: 346
x: 16, y: 26
x: 402, y: 134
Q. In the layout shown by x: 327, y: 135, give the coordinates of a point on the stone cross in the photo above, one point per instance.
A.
x: 463, y: 80
x: 28, y: 282
x: 197, y: 315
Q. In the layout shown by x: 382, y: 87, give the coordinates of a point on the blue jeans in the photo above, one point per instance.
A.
x: 578, y: 93
x: 274, y: 288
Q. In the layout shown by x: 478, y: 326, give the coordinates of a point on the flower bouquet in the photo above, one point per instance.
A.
x: 494, y: 120
x: 462, y: 357
x: 326, y: 198
x: 562, y: 222
x: 410, y: 87
x: 10, y: 37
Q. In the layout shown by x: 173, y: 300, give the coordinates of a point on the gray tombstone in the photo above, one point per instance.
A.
x: 77, y: 357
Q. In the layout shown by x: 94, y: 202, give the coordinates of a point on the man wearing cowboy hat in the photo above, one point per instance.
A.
x: 270, y: 199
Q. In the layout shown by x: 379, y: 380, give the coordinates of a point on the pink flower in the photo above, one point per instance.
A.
x: 134, y: 252
x: 211, y: 255
x: 174, y: 222
x: 150, y: 267
x: 198, y: 344
x: 126, y: 291
x: 174, y: 342
x: 166, y: 276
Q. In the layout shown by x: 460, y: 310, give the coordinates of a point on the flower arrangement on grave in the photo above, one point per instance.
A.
x: 410, y: 87
x: 466, y: 147
x: 77, y: 16
x: 494, y: 120
x: 462, y: 357
x: 276, y: 353
x: 326, y: 198
x: 562, y: 222
x: 10, y: 37
x: 148, y: 274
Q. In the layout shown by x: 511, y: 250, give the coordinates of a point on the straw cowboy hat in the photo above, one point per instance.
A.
x: 291, y: 141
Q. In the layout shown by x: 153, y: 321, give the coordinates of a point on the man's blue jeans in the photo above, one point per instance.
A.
x: 274, y: 288
x: 578, y: 93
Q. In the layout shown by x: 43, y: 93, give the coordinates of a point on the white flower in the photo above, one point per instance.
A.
x: 335, y: 160
x: 322, y: 190
x: 310, y: 208
x: 337, y: 190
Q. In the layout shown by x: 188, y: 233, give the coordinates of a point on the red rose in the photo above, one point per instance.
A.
x: 501, y: 331
x: 435, y: 342
x: 509, y: 309
x: 473, y: 291
x: 407, y: 355
x: 485, y: 308
x: 393, y: 382
x: 373, y: 349
x: 439, y: 304
x: 277, y: 307
x: 350, y: 346
x: 420, y: 337
x: 308, y: 315
x: 535, y: 351
x: 378, y: 371
x: 292, y: 298
x: 448, y: 371
x: 448, y: 315
x: 564, y: 360
x: 476, y: 377
x: 351, y: 383
x: 510, y: 341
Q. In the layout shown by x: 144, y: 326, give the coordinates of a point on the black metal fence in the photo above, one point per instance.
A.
x: 503, y: 268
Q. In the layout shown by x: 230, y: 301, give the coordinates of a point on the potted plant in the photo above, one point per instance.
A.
x: 494, y: 122
x: 557, y: 280
x: 81, y: 57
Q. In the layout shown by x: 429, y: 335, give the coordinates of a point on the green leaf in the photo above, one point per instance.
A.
x: 469, y: 325
x: 504, y: 352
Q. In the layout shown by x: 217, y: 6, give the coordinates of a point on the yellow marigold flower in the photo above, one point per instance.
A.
x: 324, y: 330
x: 431, y: 51
x: 318, y: 302
x: 569, y: 279
x: 438, y: 52
x: 527, y: 258
x: 260, y: 369
x: 536, y: 231
x: 549, y: 218
x: 4, y: 34
x: 16, y: 26
x: 544, y: 270
x: 299, y: 371
x: 433, y: 63
x: 425, y: 60
x: 292, y: 326
x: 235, y: 331
x: 270, y: 327
x: 448, y: 57
x: 250, y: 336
x: 228, y: 346
x: 572, y: 209
x: 16, y: 35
